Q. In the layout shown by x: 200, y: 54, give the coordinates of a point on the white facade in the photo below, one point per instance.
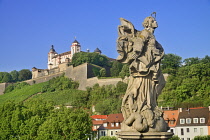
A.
x: 54, y: 59
x: 189, y: 132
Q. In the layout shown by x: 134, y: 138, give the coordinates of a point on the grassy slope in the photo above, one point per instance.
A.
x: 65, y: 97
x: 19, y: 95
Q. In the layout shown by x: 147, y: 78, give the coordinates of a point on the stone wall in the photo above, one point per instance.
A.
x: 82, y: 74
x: 3, y: 86
x: 101, y: 82
x: 44, y: 78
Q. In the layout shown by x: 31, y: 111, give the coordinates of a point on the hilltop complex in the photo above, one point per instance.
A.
x: 58, y: 62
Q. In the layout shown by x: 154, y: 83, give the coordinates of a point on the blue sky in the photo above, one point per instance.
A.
x: 29, y: 27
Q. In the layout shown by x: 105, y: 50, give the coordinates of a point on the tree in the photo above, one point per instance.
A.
x: 206, y: 59
x: 170, y: 63
x: 191, y: 61
x: 103, y: 72
x: 93, y: 58
x: 2, y: 76
x: 125, y: 71
x: 24, y: 74
x: 116, y: 68
x: 7, y: 78
x: 14, y: 75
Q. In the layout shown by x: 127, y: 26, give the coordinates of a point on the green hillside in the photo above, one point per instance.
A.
x: 18, y: 95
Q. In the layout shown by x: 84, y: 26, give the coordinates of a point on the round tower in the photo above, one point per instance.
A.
x: 51, y: 54
x: 75, y: 47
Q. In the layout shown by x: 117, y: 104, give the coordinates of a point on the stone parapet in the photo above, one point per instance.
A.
x: 127, y: 135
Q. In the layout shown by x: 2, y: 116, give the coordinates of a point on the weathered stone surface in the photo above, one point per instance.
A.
x: 126, y: 135
x: 143, y: 54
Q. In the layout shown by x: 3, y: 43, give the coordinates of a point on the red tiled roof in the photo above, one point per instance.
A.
x: 94, y: 122
x: 171, y: 115
x: 199, y: 112
x: 99, y: 116
x: 115, y: 118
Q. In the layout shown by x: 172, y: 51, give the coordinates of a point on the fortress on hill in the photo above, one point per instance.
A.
x: 59, y: 64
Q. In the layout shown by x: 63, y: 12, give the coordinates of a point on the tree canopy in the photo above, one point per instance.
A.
x: 93, y: 58
x: 189, y: 86
x: 15, y: 76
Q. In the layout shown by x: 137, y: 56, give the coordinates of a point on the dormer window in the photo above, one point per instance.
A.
x: 202, y: 120
x: 105, y: 124
x: 117, y: 124
x: 182, y: 121
x: 195, y: 120
x: 112, y: 124
x: 188, y: 120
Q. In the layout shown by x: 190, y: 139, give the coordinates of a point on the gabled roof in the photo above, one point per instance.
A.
x: 94, y: 122
x: 171, y: 115
x: 200, y: 112
x: 99, y: 116
x: 115, y: 118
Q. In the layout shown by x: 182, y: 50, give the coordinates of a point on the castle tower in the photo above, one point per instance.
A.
x: 51, y: 54
x: 75, y: 47
x: 97, y: 50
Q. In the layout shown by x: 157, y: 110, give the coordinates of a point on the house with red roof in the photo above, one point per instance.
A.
x: 97, y: 121
x: 111, y: 125
x: 193, y: 122
x: 107, y: 125
x: 171, y: 117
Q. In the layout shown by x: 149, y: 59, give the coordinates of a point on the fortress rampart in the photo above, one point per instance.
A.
x: 82, y: 74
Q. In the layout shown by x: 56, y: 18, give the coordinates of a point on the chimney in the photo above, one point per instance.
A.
x: 180, y: 110
x: 209, y: 108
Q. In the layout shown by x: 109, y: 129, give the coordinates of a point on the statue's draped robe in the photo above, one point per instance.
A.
x: 146, y: 80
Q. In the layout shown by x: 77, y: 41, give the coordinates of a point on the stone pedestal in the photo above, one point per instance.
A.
x: 126, y: 135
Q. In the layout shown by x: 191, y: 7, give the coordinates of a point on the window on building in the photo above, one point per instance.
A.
x: 112, y: 124
x: 105, y: 124
x: 188, y: 138
x: 117, y: 124
x: 182, y: 121
x: 172, y: 130
x: 195, y: 120
x: 182, y: 138
x: 188, y: 129
x: 195, y: 130
x: 202, y: 120
x: 182, y: 131
x: 103, y: 133
x: 188, y: 120
x: 111, y: 133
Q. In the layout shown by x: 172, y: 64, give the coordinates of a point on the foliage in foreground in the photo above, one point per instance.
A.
x: 207, y: 137
x: 107, y: 138
x: 38, y: 120
x: 189, y: 85
x: 175, y: 138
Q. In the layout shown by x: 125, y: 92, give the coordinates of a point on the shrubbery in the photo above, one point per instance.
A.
x: 38, y: 119
x: 60, y: 83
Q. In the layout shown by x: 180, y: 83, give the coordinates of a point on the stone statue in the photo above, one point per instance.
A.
x: 143, y: 54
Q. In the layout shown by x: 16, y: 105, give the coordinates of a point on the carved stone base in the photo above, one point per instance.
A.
x: 126, y: 135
